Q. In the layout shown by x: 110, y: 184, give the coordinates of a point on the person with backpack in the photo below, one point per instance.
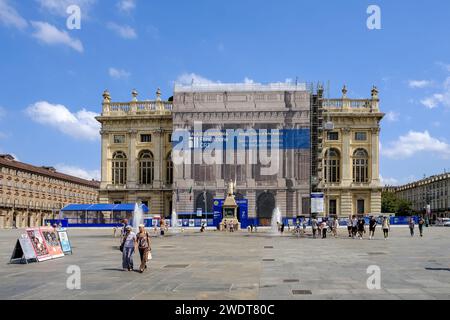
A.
x: 372, y: 227
x: 421, y: 224
x: 143, y: 243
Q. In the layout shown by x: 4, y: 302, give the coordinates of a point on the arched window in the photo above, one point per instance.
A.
x: 332, y: 167
x: 360, y: 166
x: 169, y: 169
x: 146, y: 168
x: 119, y: 168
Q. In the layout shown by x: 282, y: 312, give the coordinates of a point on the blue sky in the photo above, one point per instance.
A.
x: 52, y: 78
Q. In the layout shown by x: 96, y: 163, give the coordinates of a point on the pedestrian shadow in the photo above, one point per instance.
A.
x: 113, y: 269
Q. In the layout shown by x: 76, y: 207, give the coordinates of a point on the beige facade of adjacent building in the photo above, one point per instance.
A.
x: 432, y: 191
x: 136, y: 153
x: 350, y: 155
x: 29, y: 195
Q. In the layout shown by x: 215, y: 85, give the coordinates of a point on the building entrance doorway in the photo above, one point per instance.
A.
x: 264, y: 208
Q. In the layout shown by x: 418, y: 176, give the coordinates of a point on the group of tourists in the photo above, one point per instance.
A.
x: 412, y: 225
x: 356, y: 227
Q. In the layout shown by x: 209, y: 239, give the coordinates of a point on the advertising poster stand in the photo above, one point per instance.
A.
x: 23, y: 251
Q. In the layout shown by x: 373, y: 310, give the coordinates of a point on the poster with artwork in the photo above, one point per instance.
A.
x: 39, y: 245
x: 64, y: 241
x: 51, y: 238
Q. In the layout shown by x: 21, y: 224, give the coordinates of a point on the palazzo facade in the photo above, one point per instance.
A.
x: 350, y: 155
x: 138, y: 164
x: 136, y: 153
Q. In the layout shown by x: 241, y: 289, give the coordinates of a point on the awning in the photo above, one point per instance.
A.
x: 128, y: 207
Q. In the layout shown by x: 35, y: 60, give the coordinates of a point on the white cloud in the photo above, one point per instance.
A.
x: 126, y: 5
x: 392, y: 116
x: 416, y: 142
x: 419, y: 84
x: 444, y: 66
x: 189, y: 78
x: 389, y: 181
x: 433, y: 101
x: 10, y: 17
x: 80, y: 125
x: 441, y: 98
x: 118, y: 73
x: 59, y: 7
x: 51, y: 35
x: 123, y: 31
x: 248, y: 81
x: 79, y: 172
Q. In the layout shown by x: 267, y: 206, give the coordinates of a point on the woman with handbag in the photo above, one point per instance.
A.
x: 143, y: 242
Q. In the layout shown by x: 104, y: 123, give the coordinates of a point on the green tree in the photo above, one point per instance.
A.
x: 391, y: 204
x: 388, y: 202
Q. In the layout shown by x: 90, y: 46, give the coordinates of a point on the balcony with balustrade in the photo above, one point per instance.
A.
x: 135, y: 107
x: 355, y: 106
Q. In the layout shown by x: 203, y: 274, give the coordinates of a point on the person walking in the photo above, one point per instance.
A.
x: 324, y: 229
x: 304, y: 226
x: 361, y: 227
x: 128, y: 246
x: 143, y: 243
x: 421, y: 224
x: 386, y: 227
x: 335, y: 227
x: 314, y: 225
x: 412, y: 225
x: 349, y: 226
x: 354, y: 226
x: 372, y: 226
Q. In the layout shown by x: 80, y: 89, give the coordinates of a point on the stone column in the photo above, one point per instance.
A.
x: 375, y: 156
x: 346, y: 158
x: 132, y: 156
x: 159, y: 141
x: 105, y: 162
x: 346, y: 204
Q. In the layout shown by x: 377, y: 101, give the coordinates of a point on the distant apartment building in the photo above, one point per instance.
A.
x: 433, y: 191
x: 29, y: 194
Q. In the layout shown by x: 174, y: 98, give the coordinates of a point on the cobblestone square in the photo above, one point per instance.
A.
x: 216, y: 265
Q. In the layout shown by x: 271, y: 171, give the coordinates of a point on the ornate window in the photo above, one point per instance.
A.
x: 119, y: 168
x: 146, y: 168
x: 332, y: 168
x: 360, y: 166
x: 169, y: 169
